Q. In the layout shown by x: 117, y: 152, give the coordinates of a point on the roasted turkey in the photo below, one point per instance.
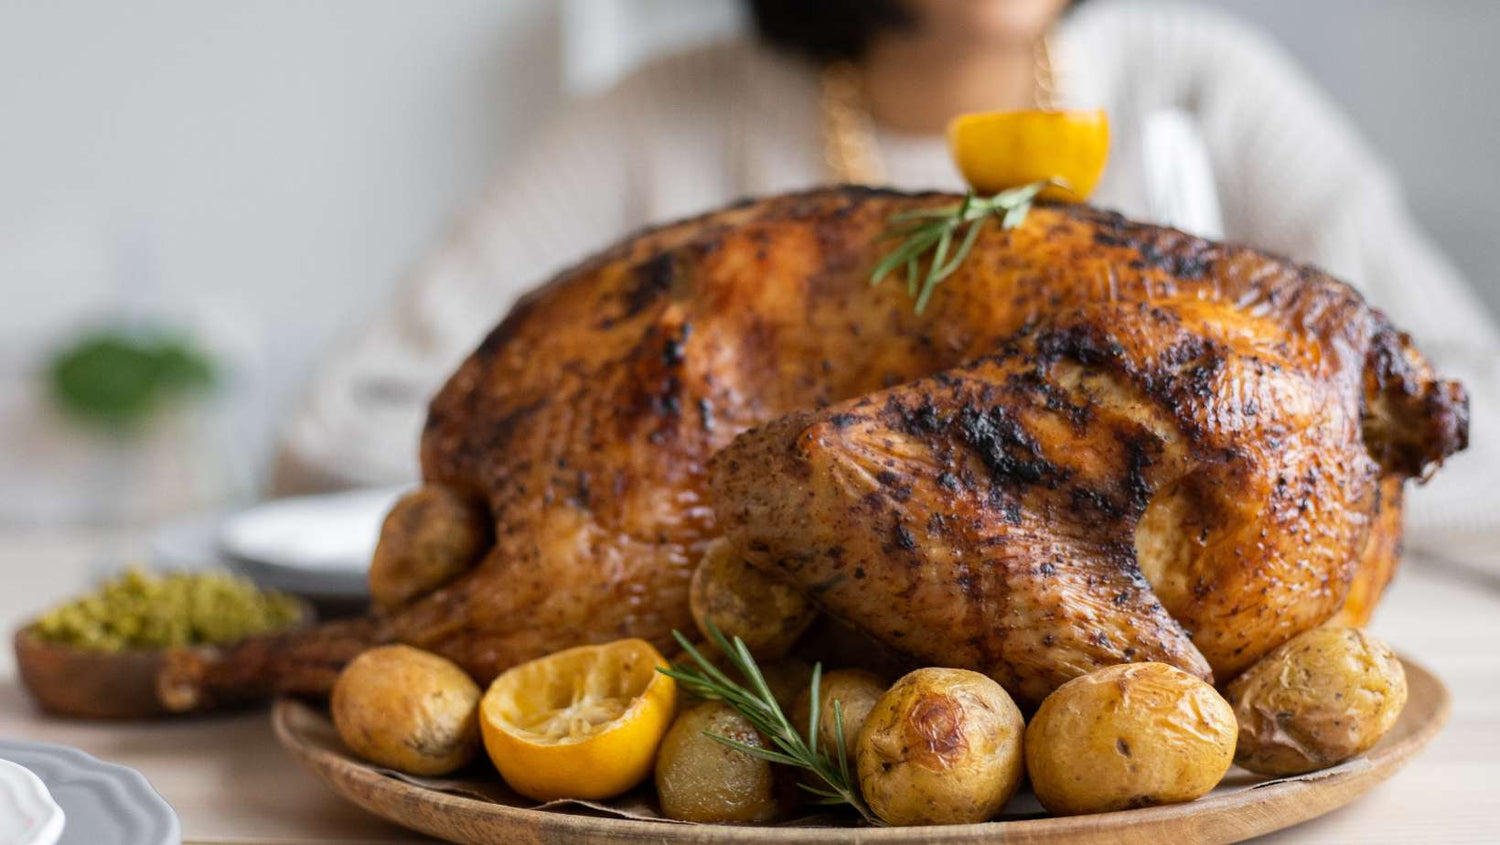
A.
x: 1102, y: 441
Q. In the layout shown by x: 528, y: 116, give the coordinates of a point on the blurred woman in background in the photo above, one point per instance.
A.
x: 1213, y: 130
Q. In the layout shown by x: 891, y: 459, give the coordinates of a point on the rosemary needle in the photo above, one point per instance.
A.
x: 933, y: 230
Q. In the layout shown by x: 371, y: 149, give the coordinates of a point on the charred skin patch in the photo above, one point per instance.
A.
x: 1054, y: 398
x: 1179, y: 256
x: 904, y: 539
x: 1187, y: 265
x: 1007, y: 449
x: 1181, y: 375
x: 652, y: 280
x: 983, y: 427
x: 1013, y: 454
x: 653, y: 397
x: 1097, y: 503
x: 1141, y: 451
x: 1087, y: 344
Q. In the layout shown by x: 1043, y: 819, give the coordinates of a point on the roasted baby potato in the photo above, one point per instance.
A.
x: 1318, y: 699
x: 941, y: 746
x: 407, y: 709
x: 1131, y: 735
x: 432, y: 535
x: 744, y: 602
x: 699, y: 779
x: 855, y: 690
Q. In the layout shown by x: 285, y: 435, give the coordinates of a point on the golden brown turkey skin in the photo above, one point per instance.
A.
x: 587, y: 419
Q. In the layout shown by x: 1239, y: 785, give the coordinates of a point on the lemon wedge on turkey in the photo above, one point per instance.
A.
x: 999, y: 150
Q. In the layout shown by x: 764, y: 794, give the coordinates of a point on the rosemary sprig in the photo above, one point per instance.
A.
x: 934, y: 230
x: 759, y: 707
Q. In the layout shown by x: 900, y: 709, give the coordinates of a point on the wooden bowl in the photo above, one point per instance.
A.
x: 89, y: 684
x: 481, y: 810
x: 69, y: 681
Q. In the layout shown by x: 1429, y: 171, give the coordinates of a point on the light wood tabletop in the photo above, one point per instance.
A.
x: 231, y: 783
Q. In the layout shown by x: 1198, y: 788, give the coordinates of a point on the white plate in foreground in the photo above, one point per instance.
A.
x: 28, y: 815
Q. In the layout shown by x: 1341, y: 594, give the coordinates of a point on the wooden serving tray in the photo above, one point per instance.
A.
x: 481, y: 810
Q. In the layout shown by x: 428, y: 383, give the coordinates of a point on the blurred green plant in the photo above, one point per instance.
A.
x: 120, y: 379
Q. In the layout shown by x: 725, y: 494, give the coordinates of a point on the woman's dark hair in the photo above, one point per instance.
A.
x: 829, y: 30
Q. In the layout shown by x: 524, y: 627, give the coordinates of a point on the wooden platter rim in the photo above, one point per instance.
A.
x: 1229, y: 817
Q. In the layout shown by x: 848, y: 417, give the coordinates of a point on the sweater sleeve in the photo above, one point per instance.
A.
x: 1294, y: 177
x: 363, y: 412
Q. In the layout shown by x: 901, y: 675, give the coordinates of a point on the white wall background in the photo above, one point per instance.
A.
x: 282, y: 160
x: 270, y: 168
x: 1422, y: 79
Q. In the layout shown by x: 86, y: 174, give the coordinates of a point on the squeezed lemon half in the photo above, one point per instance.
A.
x: 581, y: 723
x: 999, y: 150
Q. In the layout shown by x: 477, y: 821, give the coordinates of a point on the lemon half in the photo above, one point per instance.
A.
x: 999, y: 150
x: 582, y: 723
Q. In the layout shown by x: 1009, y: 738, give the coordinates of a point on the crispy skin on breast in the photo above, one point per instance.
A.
x: 980, y: 519
x: 1260, y: 394
x: 1119, y: 483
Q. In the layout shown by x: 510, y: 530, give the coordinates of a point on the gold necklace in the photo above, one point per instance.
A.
x: 849, y: 146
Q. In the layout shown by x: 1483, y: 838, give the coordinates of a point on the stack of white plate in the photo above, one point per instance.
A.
x: 315, y: 546
x: 55, y: 794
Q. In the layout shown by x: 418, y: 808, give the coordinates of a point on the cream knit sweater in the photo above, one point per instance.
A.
x: 693, y: 131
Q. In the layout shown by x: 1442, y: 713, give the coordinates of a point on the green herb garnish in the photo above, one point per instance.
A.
x: 934, y: 230
x: 119, y: 379
x: 759, y: 707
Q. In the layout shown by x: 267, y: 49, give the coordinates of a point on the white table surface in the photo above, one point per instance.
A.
x: 230, y: 782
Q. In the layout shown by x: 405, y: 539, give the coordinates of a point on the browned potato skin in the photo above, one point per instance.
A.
x: 1129, y: 735
x: 855, y: 690
x: 744, y: 602
x: 941, y: 746
x: 407, y: 709
x: 701, y: 780
x: 432, y: 535
x: 1317, y: 700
